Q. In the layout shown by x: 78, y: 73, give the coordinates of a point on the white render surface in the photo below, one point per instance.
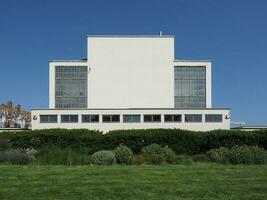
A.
x: 131, y: 72
x: 131, y: 75
x: 105, y: 127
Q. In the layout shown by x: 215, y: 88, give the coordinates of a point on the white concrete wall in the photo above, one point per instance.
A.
x: 131, y: 72
x: 52, y: 76
x: 105, y: 127
x: 206, y: 64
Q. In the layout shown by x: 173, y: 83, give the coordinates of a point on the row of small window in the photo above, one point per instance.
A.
x: 131, y: 118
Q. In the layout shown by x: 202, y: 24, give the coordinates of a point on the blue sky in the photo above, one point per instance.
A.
x: 231, y: 33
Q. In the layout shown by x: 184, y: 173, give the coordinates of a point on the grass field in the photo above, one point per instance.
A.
x: 201, y: 181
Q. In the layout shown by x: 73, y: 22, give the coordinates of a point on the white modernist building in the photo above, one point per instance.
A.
x: 130, y: 82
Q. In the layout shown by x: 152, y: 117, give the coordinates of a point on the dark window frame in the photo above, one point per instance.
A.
x: 90, y: 118
x: 123, y: 119
x: 69, y: 118
x: 48, y: 118
x: 172, y: 117
x: 152, y: 118
x: 194, y: 120
x: 111, y: 117
x: 210, y: 121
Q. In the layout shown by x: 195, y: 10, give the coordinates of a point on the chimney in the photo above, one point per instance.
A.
x: 18, y: 108
x: 9, y: 104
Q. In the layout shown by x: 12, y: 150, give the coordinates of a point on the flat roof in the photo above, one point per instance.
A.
x: 130, y: 108
x: 82, y: 60
x: 176, y: 60
x: 133, y: 36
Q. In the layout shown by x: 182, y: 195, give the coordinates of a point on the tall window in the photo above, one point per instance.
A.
x: 71, y: 87
x: 190, y: 87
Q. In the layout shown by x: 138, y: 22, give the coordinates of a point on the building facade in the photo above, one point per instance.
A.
x: 130, y: 82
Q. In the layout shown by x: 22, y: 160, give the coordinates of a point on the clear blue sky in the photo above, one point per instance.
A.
x: 232, y: 33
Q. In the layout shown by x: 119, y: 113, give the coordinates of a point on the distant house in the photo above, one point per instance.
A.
x: 14, y: 117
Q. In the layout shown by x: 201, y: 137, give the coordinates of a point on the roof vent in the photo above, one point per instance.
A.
x: 160, y: 33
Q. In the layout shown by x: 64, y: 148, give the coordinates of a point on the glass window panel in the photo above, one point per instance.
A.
x: 71, y: 87
x: 131, y: 118
x: 90, y: 118
x: 193, y: 118
x: 152, y: 118
x: 213, y: 118
x: 172, y: 118
x: 111, y: 118
x: 48, y: 118
x: 69, y: 118
x: 190, y: 87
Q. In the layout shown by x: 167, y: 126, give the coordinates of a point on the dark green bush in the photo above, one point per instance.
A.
x: 199, y: 158
x: 219, y: 155
x: 155, y: 159
x: 248, y: 155
x: 153, y: 149
x: 54, y: 155
x: 138, y: 160
x: 180, y: 141
x: 169, y: 155
x: 123, y: 154
x: 4, y: 144
x: 103, y: 157
x: 238, y: 155
x: 14, y: 158
x: 183, y: 160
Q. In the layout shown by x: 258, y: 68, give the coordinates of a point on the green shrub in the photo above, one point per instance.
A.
x: 153, y: 149
x: 54, y: 155
x: 180, y: 141
x: 247, y: 155
x: 138, y: 160
x: 103, y: 157
x: 183, y: 160
x: 4, y: 144
x: 155, y: 159
x: 15, y: 158
x: 238, y: 155
x: 199, y: 158
x: 219, y: 155
x: 169, y: 154
x: 123, y: 154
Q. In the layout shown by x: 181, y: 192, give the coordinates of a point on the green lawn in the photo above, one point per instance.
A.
x: 201, y: 181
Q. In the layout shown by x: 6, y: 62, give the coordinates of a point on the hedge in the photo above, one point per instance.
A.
x: 181, y: 141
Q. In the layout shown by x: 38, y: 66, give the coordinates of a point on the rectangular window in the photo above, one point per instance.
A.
x: 152, y: 118
x: 172, y: 118
x: 90, y: 118
x: 131, y: 118
x: 193, y: 118
x: 48, y: 118
x: 111, y: 118
x: 190, y: 86
x: 213, y: 118
x: 71, y: 87
x: 69, y: 118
